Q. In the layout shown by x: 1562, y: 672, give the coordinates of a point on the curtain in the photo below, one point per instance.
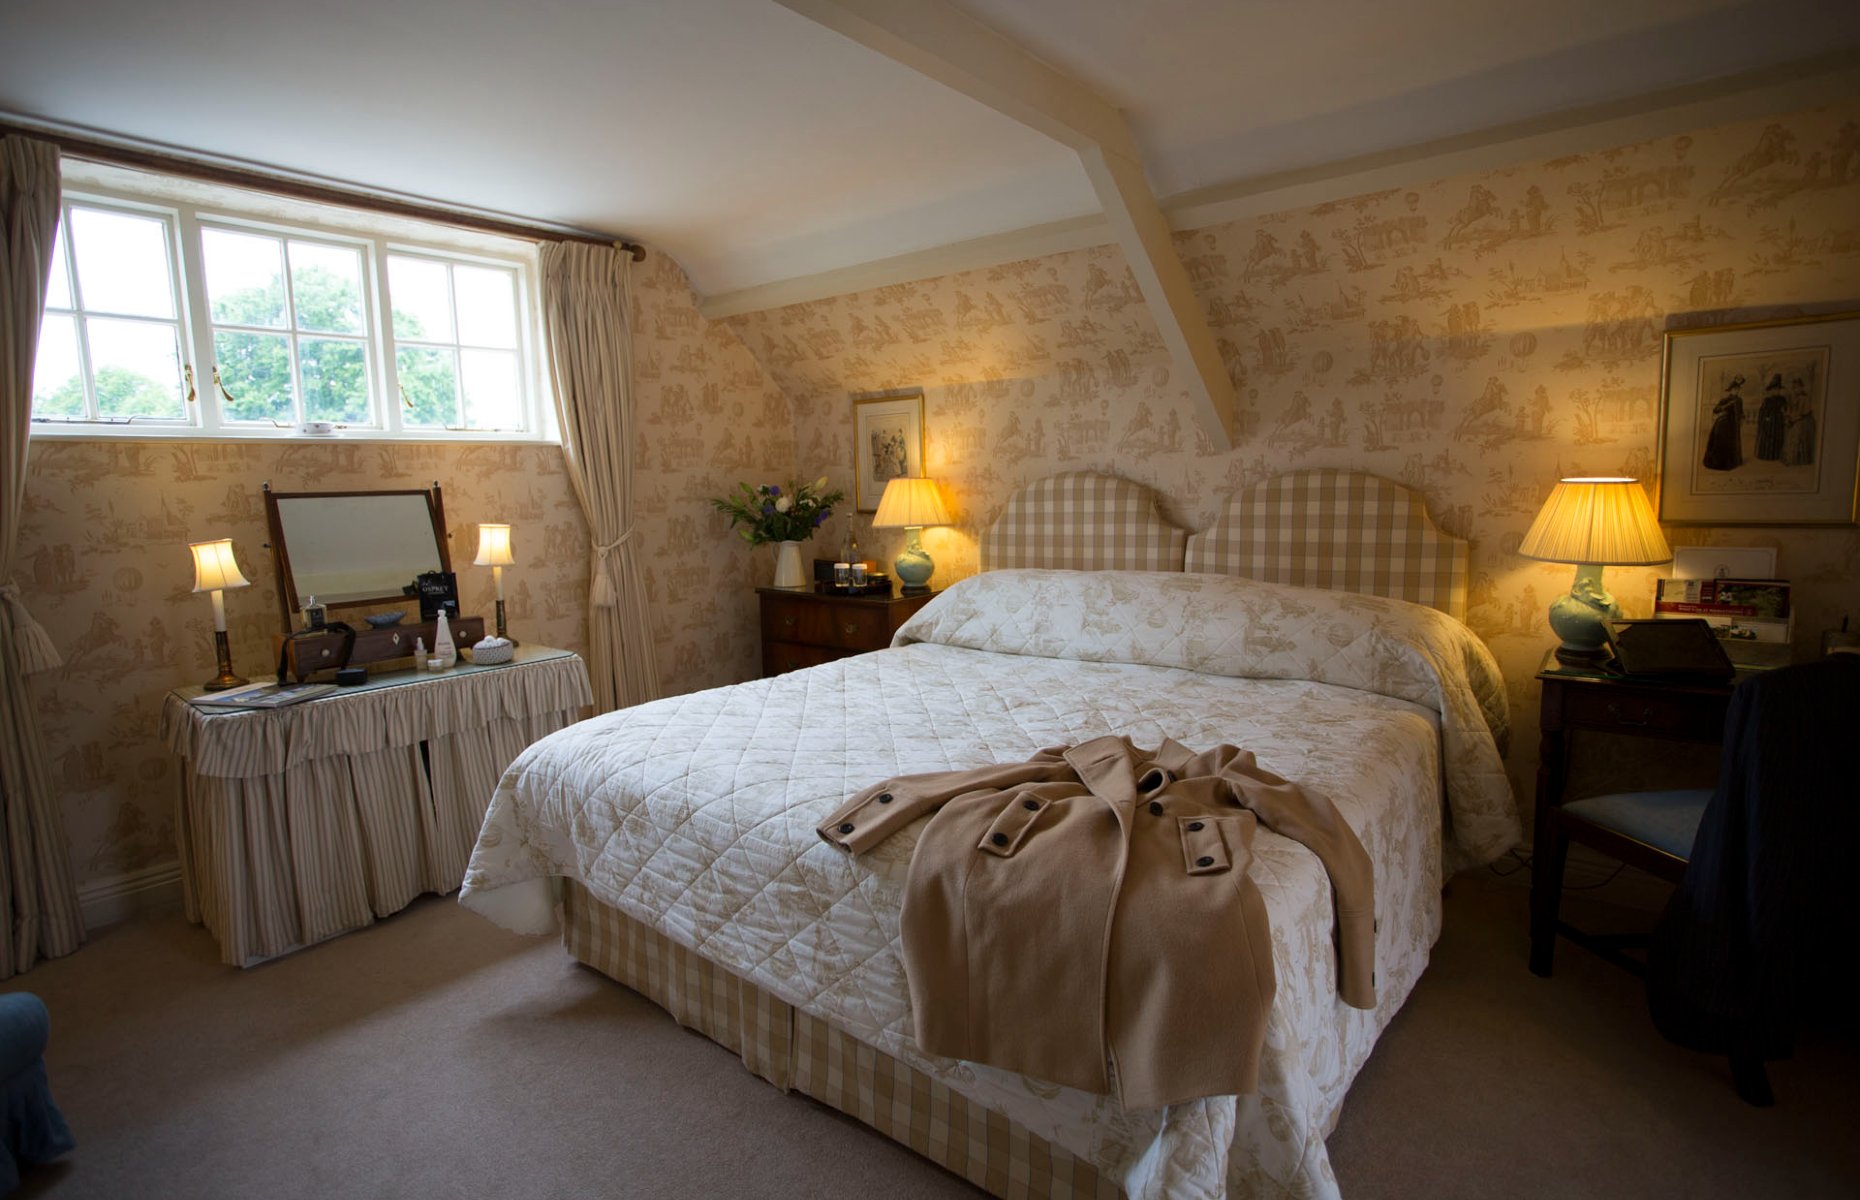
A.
x: 38, y: 903
x: 587, y: 296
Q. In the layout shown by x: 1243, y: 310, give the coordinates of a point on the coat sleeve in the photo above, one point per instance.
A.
x: 1310, y: 819
x: 877, y: 812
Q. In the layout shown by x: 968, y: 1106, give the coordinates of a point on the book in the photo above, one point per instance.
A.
x: 1753, y: 618
x: 263, y: 695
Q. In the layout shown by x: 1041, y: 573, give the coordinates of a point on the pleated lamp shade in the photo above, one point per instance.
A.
x: 910, y: 501
x: 493, y: 546
x: 1604, y: 522
x: 215, y: 569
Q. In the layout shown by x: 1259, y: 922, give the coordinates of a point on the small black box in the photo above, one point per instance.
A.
x: 351, y: 676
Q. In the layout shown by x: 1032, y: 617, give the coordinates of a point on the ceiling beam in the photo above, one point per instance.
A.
x: 961, y: 53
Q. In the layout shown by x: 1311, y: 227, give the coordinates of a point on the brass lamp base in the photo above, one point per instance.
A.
x: 501, y: 630
x: 225, y: 679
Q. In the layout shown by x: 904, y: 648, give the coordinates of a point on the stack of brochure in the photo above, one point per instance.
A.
x: 263, y: 695
x: 1752, y: 617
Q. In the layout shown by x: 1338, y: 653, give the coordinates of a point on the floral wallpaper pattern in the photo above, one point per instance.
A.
x: 103, y: 558
x: 1474, y: 337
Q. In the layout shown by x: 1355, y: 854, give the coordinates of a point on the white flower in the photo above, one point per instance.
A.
x: 783, y: 504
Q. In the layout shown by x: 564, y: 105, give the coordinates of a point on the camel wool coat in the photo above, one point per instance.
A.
x: 1087, y: 917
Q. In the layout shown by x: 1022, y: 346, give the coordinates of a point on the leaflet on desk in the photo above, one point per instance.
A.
x: 263, y: 695
x: 1752, y: 617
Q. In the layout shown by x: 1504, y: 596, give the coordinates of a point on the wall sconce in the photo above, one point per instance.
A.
x: 494, y: 552
x: 215, y: 570
x: 910, y: 504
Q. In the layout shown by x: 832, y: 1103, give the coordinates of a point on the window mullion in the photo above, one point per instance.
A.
x: 196, y: 321
x: 391, y: 406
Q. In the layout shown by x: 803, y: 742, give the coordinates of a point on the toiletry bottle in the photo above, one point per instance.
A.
x: 419, y: 654
x: 443, y: 649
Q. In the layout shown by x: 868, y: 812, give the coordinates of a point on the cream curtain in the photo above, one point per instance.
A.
x: 38, y: 903
x: 587, y: 297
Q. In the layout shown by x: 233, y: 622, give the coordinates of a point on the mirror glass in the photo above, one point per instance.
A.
x: 356, y: 549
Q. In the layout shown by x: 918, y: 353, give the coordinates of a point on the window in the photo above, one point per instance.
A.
x: 111, y: 338
x: 183, y: 319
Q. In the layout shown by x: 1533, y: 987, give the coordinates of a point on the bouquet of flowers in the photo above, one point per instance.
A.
x: 769, y: 514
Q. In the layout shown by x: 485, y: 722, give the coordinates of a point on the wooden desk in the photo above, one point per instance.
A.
x: 297, y: 824
x: 1577, y: 699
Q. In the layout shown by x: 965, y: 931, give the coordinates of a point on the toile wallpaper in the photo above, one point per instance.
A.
x: 1475, y: 338
x: 103, y: 558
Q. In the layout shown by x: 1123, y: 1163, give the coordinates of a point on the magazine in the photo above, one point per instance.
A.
x: 1751, y: 617
x: 263, y: 695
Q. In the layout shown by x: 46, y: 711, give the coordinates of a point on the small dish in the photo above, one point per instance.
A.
x: 386, y: 620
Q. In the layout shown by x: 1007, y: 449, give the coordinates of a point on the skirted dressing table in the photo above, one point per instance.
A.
x: 300, y: 823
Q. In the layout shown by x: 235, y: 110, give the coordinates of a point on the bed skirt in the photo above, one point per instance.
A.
x: 799, y: 1052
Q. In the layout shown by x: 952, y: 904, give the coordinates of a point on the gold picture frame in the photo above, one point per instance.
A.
x: 1760, y: 423
x: 888, y: 441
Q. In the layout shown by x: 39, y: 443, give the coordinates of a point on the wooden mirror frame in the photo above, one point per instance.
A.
x: 280, y: 553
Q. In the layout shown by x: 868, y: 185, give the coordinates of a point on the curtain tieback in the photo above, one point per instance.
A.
x: 601, y: 591
x: 30, y: 641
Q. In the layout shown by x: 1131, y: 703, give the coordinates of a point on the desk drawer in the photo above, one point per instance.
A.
x: 781, y: 657
x: 812, y: 623
x: 1669, y: 714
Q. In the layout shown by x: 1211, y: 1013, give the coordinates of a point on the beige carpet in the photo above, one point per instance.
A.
x: 435, y: 1055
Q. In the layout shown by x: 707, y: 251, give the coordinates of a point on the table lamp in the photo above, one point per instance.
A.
x: 910, y: 504
x: 494, y: 552
x: 215, y: 570
x: 1594, y: 523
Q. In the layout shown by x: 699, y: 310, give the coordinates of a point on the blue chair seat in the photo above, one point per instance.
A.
x: 1666, y: 821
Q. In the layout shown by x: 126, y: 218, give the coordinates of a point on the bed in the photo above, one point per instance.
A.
x: 674, y: 843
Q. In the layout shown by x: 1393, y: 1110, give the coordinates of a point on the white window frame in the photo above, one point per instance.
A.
x: 333, y: 226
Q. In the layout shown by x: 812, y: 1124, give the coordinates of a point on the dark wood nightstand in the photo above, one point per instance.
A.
x: 1575, y: 698
x: 805, y: 629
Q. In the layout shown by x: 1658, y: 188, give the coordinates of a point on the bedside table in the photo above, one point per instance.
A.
x: 805, y: 629
x: 1575, y: 698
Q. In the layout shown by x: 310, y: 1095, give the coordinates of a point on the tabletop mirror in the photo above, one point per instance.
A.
x: 350, y: 549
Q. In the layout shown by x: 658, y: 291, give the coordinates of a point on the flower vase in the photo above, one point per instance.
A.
x: 789, y: 572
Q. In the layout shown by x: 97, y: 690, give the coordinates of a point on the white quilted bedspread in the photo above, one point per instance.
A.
x: 696, y: 814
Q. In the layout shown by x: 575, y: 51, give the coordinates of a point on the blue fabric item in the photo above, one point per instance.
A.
x: 1667, y: 821
x: 31, y: 1127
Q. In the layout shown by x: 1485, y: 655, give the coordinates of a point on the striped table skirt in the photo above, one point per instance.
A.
x: 302, y: 823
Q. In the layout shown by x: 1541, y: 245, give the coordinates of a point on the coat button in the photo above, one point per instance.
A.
x: 884, y: 797
x: 999, y: 839
x: 1156, y: 808
x: 1195, y: 827
x: 1030, y: 805
x: 1204, y: 861
x: 846, y: 826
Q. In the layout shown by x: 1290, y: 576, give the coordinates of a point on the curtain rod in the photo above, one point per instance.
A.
x: 124, y: 154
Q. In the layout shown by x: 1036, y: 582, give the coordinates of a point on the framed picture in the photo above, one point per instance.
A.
x: 888, y: 441
x: 1761, y: 423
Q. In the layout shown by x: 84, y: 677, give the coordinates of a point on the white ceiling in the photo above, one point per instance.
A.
x: 755, y: 146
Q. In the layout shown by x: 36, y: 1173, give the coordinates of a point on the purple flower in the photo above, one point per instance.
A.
x: 818, y: 518
x: 773, y: 490
x: 768, y: 506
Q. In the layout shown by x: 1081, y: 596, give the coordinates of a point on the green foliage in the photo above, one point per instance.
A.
x: 761, y: 510
x: 120, y: 393
x: 255, y: 368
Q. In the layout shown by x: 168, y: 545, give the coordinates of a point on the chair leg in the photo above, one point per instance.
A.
x: 1547, y: 896
x: 1752, y: 1080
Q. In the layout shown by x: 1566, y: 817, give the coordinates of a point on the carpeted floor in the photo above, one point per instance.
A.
x: 435, y: 1056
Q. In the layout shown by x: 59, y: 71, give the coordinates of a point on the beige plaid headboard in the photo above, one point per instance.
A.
x: 1343, y: 530
x: 1082, y: 521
